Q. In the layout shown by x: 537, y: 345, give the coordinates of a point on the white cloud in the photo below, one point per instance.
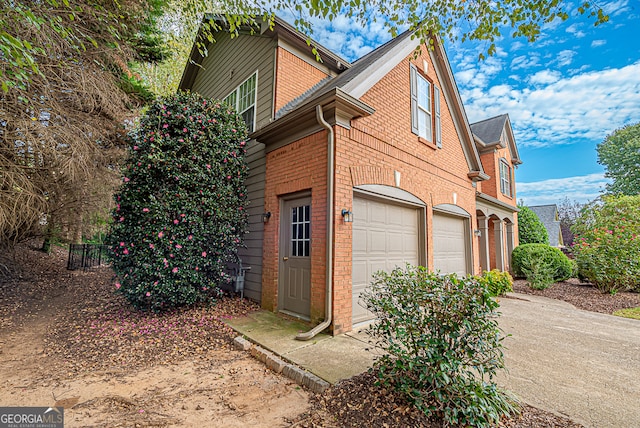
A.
x: 581, y: 188
x: 597, y: 43
x: 615, y: 8
x: 545, y: 77
x: 565, y: 57
x: 525, y: 61
x: 575, y: 31
x: 585, y: 106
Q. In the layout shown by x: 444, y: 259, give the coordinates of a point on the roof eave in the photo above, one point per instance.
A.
x: 337, y: 104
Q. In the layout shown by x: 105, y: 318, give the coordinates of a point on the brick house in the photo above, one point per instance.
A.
x: 357, y: 167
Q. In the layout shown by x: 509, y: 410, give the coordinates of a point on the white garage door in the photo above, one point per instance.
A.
x: 449, y: 244
x: 385, y: 235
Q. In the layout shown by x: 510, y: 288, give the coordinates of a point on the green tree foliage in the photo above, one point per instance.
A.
x: 541, y: 264
x: 530, y: 228
x: 442, y: 345
x: 607, y: 243
x: 66, y: 91
x: 180, y: 213
x: 620, y: 154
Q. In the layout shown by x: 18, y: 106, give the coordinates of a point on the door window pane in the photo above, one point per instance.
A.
x: 300, y: 231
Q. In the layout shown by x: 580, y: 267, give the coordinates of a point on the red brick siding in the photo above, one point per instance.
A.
x: 299, y: 166
x: 378, y: 145
x: 294, y: 77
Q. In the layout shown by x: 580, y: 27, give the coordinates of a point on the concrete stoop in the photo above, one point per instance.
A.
x: 278, y: 365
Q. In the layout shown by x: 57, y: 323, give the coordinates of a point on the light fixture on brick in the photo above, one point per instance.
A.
x: 347, y: 216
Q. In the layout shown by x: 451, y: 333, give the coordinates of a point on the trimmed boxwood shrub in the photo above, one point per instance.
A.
x: 540, y: 264
x: 442, y: 344
x: 530, y: 228
x: 180, y: 212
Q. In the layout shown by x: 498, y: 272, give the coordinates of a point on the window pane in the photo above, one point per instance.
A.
x: 307, y: 213
x: 300, y: 248
x: 306, y: 230
x: 247, y: 116
x: 294, y: 216
x: 301, y: 231
x: 306, y: 249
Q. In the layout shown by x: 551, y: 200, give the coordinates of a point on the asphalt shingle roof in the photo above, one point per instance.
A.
x: 490, y: 130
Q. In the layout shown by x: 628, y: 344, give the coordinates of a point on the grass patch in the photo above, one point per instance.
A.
x: 633, y: 313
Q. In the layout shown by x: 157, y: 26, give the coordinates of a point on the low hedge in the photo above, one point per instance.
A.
x: 540, y: 264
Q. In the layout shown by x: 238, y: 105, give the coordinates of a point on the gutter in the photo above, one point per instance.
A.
x: 330, y: 220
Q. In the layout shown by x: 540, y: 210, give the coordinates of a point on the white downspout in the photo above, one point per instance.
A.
x: 330, y: 220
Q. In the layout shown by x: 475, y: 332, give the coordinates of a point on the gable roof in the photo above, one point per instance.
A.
x: 364, y: 73
x: 355, y: 79
x: 548, y: 215
x: 281, y: 28
x: 488, y: 135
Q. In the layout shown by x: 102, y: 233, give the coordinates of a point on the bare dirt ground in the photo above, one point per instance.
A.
x: 67, y: 340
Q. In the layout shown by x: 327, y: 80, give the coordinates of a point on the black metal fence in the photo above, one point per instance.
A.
x: 85, y: 256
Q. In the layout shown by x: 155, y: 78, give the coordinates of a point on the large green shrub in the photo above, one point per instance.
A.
x: 530, y: 228
x: 442, y: 344
x: 496, y: 281
x: 607, y: 243
x: 180, y: 212
x: 541, y: 264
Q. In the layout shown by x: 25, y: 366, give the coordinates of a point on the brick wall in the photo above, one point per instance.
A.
x: 378, y: 145
x: 294, y: 77
x: 297, y: 167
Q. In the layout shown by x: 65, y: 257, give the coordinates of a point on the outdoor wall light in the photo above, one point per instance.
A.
x: 266, y: 216
x: 347, y: 216
x: 477, y: 233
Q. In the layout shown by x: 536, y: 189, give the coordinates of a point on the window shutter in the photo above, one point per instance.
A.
x: 414, y: 99
x: 436, y: 103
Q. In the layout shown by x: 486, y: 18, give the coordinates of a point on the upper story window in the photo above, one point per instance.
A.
x: 505, y: 178
x: 243, y: 99
x: 425, y: 108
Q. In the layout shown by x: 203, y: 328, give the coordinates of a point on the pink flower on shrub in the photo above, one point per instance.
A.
x: 125, y: 251
x: 184, y: 129
x: 135, y: 147
x: 176, y: 221
x: 178, y: 246
x: 208, y: 166
x: 121, y: 219
x: 145, y: 210
x: 174, y: 270
x: 122, y: 244
x: 204, y: 254
x: 148, y: 295
x: 165, y: 126
x: 160, y: 234
x: 126, y: 180
x: 190, y: 237
x: 151, y: 246
x: 118, y: 285
x: 183, y: 215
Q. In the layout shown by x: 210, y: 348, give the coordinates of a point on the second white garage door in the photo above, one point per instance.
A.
x: 449, y: 244
x: 385, y: 235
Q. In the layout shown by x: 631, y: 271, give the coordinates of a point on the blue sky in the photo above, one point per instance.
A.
x: 564, y: 93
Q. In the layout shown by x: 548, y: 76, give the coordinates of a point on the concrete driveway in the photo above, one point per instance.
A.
x: 581, y: 364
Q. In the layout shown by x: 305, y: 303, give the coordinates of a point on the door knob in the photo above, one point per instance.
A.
x: 285, y: 258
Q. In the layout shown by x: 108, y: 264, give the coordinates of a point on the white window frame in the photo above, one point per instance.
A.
x: 236, y: 97
x: 505, y: 178
x: 429, y: 113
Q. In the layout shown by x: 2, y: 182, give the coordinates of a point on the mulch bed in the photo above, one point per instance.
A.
x: 582, y: 296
